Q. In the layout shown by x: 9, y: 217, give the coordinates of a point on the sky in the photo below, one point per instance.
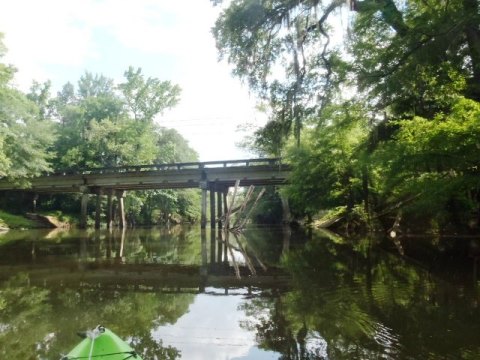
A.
x: 59, y: 40
x: 211, y: 329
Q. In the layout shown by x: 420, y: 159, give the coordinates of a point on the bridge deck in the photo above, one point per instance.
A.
x: 162, y: 176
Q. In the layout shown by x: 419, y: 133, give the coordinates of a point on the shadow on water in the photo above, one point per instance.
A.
x: 270, y: 293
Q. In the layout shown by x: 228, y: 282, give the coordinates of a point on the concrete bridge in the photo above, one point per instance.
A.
x: 213, y: 176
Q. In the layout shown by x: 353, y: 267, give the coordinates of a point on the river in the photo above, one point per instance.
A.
x: 270, y: 293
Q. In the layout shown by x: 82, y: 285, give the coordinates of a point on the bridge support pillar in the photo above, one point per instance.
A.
x: 34, y: 203
x: 83, y: 210
x: 213, y: 246
x: 109, y: 209
x: 225, y: 207
x: 219, y: 208
x: 121, y: 209
x: 212, y: 206
x: 203, y: 220
x: 98, y: 208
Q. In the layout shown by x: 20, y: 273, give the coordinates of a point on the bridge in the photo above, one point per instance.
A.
x: 213, y: 176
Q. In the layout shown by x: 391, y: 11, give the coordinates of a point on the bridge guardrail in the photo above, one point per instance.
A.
x: 171, y: 166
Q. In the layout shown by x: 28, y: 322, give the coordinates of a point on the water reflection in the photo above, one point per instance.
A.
x: 364, y: 303
x: 136, y: 282
x: 272, y: 293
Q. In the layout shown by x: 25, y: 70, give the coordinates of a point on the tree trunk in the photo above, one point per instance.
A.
x: 472, y: 33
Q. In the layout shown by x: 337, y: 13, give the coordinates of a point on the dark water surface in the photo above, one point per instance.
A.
x: 174, y: 293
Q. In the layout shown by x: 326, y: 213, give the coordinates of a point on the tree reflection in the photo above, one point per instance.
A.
x: 357, y: 302
x: 39, y: 323
x: 21, y: 306
x: 275, y: 332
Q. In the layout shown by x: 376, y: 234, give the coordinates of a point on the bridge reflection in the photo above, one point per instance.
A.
x: 118, y: 261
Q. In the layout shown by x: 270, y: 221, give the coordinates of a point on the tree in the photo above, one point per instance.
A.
x: 328, y: 165
x: 25, y: 133
x: 435, y: 162
x: 174, y: 147
x: 411, y: 59
x: 145, y: 98
x: 102, y: 124
x: 282, y: 48
x: 401, y: 61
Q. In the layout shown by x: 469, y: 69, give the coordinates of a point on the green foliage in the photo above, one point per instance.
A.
x: 25, y: 136
x: 279, y: 48
x: 388, y: 114
x: 327, y: 168
x: 415, y: 62
x: 163, y: 206
x: 101, y: 124
x: 55, y: 315
x: 436, y: 161
x: 174, y: 147
x: 347, y: 296
x: 269, y: 208
x: 93, y: 124
x: 145, y: 98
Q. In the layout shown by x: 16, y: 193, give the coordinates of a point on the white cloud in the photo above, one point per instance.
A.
x: 59, y: 40
x: 40, y: 33
x: 210, y: 330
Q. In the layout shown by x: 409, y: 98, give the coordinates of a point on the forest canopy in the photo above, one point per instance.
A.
x: 375, y: 103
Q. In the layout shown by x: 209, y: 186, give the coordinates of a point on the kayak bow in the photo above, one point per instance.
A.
x: 102, y: 344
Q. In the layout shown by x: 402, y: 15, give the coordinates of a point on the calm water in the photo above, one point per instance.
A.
x: 175, y: 293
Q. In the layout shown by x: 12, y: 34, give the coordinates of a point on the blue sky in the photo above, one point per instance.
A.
x: 59, y: 40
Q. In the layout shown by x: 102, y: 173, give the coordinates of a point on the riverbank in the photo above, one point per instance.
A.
x: 11, y: 221
x: 34, y: 221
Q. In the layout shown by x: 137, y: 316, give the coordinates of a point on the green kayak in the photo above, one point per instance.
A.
x: 102, y: 344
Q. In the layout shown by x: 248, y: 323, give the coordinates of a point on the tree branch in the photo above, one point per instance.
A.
x: 389, y: 11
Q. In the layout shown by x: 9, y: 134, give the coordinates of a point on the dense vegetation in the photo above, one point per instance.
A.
x: 380, y: 124
x: 96, y: 123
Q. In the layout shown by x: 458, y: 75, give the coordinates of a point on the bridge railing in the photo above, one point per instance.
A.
x: 172, y: 166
